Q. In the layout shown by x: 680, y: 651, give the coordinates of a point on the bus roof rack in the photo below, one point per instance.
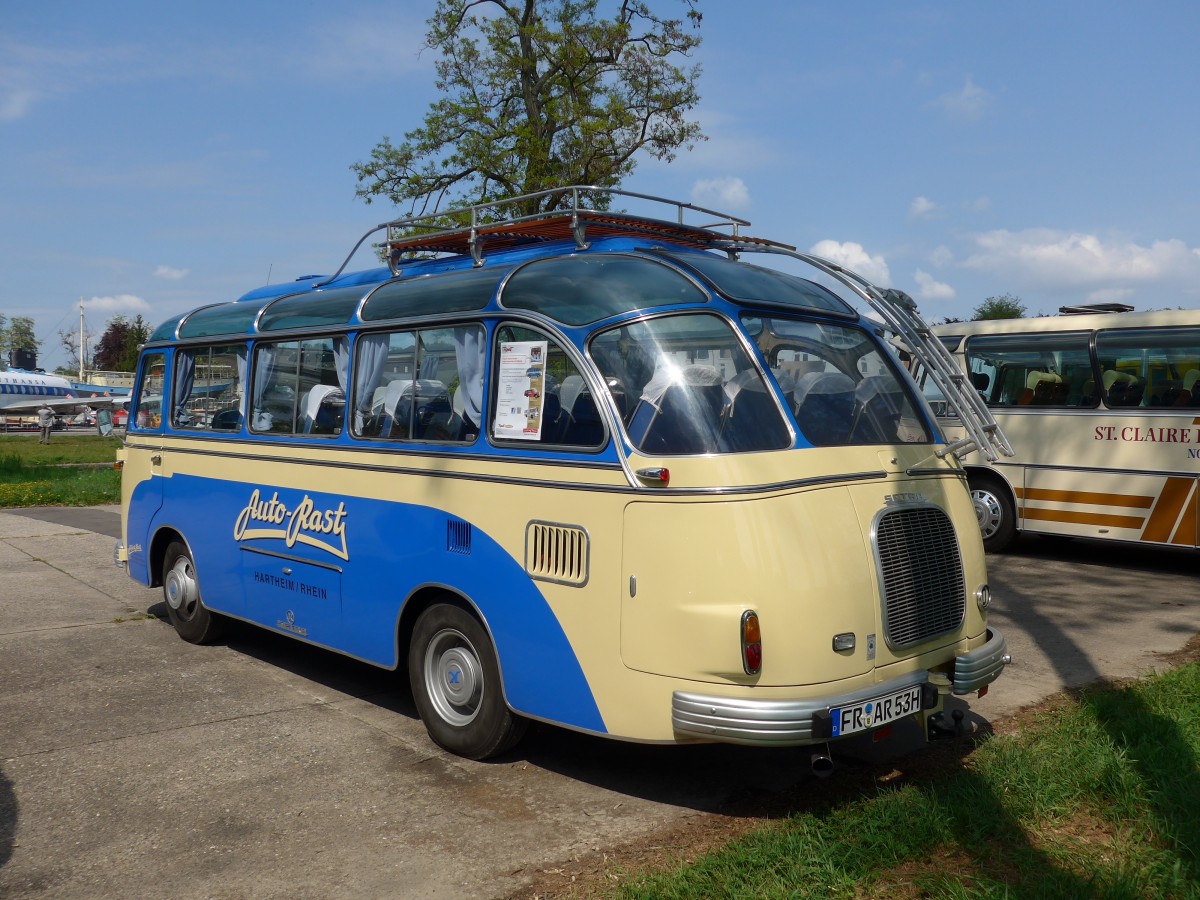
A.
x: 500, y: 225
x: 1089, y: 308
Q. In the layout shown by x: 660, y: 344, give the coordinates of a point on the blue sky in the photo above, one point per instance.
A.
x: 155, y: 157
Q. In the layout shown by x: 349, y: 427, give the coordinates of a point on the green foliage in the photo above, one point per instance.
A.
x: 1097, y: 799
x: 16, y: 334
x: 537, y: 94
x: 1006, y: 306
x: 72, y: 470
x: 117, y: 349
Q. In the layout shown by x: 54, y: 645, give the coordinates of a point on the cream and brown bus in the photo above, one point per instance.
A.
x: 1103, y: 413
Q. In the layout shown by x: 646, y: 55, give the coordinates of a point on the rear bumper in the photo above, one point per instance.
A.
x: 772, y: 723
x: 982, y: 665
x: 789, y: 723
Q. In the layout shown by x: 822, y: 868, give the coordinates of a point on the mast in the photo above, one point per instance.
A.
x: 82, y: 345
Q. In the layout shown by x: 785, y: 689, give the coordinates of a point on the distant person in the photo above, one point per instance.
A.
x: 45, y: 417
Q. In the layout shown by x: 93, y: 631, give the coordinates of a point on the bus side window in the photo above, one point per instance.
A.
x: 297, y: 387
x: 148, y: 414
x: 420, y: 385
x: 547, y: 401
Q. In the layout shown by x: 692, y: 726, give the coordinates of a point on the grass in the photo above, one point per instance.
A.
x: 1098, y: 798
x: 69, y: 471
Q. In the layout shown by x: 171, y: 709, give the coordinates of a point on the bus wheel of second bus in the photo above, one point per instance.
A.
x: 187, y: 612
x: 456, y: 684
x: 995, y: 512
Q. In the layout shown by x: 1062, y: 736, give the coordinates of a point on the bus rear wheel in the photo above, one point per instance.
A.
x: 456, y: 684
x: 995, y: 513
x: 187, y: 612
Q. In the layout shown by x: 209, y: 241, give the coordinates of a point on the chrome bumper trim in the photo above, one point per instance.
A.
x: 981, y: 666
x: 768, y: 723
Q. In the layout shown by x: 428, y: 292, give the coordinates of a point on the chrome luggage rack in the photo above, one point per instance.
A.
x: 500, y: 225
x: 495, y: 226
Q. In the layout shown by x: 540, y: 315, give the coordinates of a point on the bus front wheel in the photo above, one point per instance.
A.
x: 187, y: 612
x: 996, y: 514
x: 456, y: 684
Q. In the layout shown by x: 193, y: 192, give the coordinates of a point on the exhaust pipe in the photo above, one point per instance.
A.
x: 821, y: 763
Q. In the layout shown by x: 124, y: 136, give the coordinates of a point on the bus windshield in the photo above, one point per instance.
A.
x: 685, y: 385
x: 838, y: 384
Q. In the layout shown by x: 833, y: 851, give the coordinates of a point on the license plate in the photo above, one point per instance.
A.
x: 873, y: 713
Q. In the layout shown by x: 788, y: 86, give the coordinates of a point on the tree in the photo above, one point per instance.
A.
x: 19, y: 335
x: 69, y: 344
x: 537, y: 94
x: 117, y: 349
x: 1006, y: 306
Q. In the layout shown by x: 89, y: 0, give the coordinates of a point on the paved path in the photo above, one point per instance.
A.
x: 135, y: 764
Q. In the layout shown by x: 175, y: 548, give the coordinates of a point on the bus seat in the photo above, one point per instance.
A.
x: 1121, y: 389
x: 320, y: 409
x: 391, y: 402
x: 825, y: 407
x: 751, y: 419
x: 686, y: 416
x: 227, y: 420
x: 579, y: 420
x: 583, y: 426
x: 1038, y: 388
x: 981, y: 381
x: 879, y: 403
x: 433, y: 413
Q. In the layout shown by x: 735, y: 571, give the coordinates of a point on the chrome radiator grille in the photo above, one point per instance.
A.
x: 920, y: 575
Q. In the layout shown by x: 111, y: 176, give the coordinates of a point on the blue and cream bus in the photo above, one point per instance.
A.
x: 582, y: 467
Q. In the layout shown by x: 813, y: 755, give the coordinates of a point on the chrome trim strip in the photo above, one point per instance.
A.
x: 982, y: 665
x: 297, y: 559
x: 797, y: 484
x: 768, y: 723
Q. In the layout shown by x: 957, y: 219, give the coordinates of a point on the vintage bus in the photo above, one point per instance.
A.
x: 588, y: 468
x: 1103, y: 411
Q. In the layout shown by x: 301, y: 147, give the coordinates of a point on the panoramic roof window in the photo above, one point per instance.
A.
x: 753, y: 284
x: 227, y: 318
x: 311, y: 309
x: 577, y: 290
x: 166, y: 331
x: 427, y: 295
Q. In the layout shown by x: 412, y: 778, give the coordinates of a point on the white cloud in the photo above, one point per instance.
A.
x: 170, y: 273
x: 931, y: 289
x: 968, y: 104
x: 721, y: 193
x: 941, y: 256
x: 15, y: 102
x: 855, y: 258
x: 921, y: 207
x: 1053, y: 259
x: 1111, y: 295
x: 121, y: 303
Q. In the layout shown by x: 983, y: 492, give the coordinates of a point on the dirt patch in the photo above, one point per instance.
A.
x: 596, y: 874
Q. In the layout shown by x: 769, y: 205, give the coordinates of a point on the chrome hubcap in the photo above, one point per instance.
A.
x: 454, y: 677
x: 988, y: 512
x: 180, y: 587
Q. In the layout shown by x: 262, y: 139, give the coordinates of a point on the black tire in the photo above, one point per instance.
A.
x: 456, y: 684
x: 995, y: 512
x: 187, y: 612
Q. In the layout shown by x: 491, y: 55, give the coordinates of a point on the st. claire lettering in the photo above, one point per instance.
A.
x: 1141, y: 434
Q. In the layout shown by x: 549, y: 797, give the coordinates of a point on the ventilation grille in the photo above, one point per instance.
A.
x: 557, y: 553
x: 458, y: 536
x: 921, y: 575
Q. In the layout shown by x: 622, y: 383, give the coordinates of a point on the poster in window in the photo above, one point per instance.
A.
x: 519, y: 393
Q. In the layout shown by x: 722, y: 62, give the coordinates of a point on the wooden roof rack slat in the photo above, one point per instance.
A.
x: 496, y: 227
